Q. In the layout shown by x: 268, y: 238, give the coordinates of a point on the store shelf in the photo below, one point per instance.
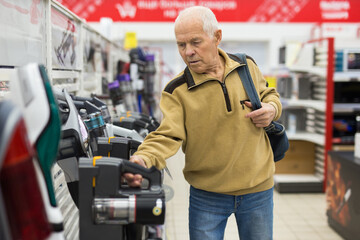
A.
x: 292, y: 178
x: 305, y: 136
x: 66, y: 79
x: 76, y: 57
x: 63, y: 74
x: 309, y: 118
x: 346, y: 107
x: 316, y: 104
x: 343, y: 147
x: 70, y: 87
x: 346, y: 76
x: 319, y: 71
x: 291, y: 183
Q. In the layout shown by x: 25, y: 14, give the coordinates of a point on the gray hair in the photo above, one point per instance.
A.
x: 208, y: 18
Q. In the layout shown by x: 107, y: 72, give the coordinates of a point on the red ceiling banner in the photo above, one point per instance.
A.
x: 225, y: 10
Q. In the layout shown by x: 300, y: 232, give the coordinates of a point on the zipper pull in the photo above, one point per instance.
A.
x: 242, y: 104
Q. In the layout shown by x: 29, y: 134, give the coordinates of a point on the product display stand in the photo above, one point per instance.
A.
x: 343, y: 194
x: 307, y: 115
x: 77, y: 58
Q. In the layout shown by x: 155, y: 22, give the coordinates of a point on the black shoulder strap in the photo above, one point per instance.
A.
x: 247, y: 82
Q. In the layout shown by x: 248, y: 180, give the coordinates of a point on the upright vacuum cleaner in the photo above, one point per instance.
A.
x: 87, y: 106
x: 101, y: 145
x: 23, y: 214
x: 95, y: 142
x: 74, y: 141
x: 31, y: 91
x: 107, y: 205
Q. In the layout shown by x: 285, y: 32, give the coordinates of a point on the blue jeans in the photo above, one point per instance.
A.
x: 208, y: 214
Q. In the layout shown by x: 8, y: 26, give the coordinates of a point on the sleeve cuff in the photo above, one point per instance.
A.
x: 147, y: 160
x: 276, y: 109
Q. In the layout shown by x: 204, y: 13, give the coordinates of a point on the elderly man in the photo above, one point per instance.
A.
x: 228, y: 158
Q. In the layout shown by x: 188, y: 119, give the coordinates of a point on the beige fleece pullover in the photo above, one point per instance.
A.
x: 224, y: 151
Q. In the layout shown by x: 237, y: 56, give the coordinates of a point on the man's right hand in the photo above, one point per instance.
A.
x: 134, y: 180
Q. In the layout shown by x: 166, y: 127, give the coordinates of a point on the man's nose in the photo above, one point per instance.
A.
x: 189, y: 51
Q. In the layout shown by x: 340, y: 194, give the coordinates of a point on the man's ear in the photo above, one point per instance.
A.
x: 218, y: 36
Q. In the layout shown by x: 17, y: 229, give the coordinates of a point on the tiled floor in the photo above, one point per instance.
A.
x: 296, y: 216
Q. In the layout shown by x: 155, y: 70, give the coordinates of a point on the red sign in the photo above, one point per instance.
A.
x: 225, y: 10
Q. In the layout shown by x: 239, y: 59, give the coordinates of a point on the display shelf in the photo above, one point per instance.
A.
x: 347, y: 76
x: 296, y: 183
x: 346, y: 107
x: 47, y: 33
x: 308, y: 112
x: 60, y: 74
x: 319, y: 71
x: 313, y: 70
x: 78, y: 52
x: 316, y: 104
x: 70, y: 87
x: 58, y: 40
x: 294, y: 178
x: 343, y: 147
x: 311, y: 137
x: 343, y: 194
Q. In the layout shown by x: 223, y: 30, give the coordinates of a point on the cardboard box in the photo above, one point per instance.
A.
x: 299, y: 159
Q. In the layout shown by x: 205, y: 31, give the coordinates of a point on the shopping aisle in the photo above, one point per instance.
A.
x: 296, y: 216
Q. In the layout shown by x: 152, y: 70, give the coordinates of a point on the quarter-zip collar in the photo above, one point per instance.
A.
x: 194, y: 79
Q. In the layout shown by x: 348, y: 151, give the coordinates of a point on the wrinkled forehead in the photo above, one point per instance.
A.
x: 190, y: 15
x: 189, y: 24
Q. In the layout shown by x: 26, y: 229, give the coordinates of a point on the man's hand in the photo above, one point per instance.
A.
x: 134, y: 180
x: 263, y: 116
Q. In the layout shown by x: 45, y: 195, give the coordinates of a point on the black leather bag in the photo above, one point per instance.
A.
x: 275, y: 131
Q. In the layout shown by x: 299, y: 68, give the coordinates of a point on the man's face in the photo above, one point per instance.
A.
x: 196, y: 48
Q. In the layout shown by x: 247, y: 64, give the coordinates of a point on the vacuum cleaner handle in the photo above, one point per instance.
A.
x: 152, y: 174
x: 94, y: 100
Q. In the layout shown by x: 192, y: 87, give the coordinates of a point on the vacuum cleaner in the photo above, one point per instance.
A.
x: 107, y: 204
x: 87, y: 106
x: 31, y: 91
